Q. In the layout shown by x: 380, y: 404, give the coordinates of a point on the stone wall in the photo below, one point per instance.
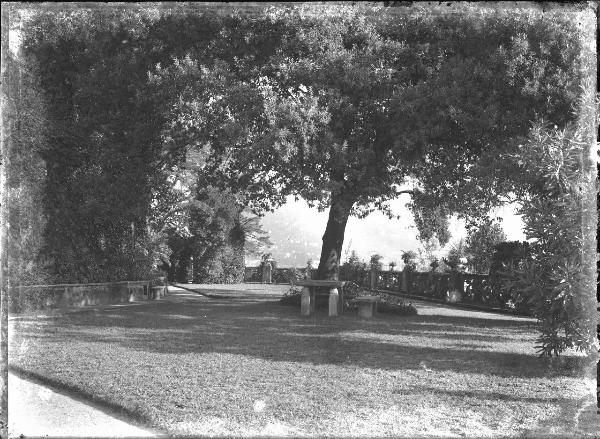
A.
x: 40, y: 297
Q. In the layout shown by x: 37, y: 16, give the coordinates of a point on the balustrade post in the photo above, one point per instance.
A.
x: 373, y: 278
x: 333, y: 302
x: 267, y: 272
x: 305, y: 302
x: 430, y: 288
x: 459, y: 283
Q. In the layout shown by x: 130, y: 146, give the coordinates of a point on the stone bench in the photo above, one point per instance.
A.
x: 157, y: 292
x: 367, y: 305
x: 308, y: 295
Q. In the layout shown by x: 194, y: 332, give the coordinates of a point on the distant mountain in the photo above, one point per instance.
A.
x: 296, y: 231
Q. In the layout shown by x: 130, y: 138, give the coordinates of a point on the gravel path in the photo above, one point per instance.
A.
x: 35, y: 410
x: 234, y: 290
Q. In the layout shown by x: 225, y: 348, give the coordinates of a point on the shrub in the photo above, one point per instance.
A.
x: 375, y: 261
x: 354, y: 269
x: 292, y: 297
x: 507, y: 257
x: 400, y: 309
x: 558, y: 278
x: 510, y: 253
x: 389, y: 303
x: 480, y: 245
x: 410, y: 260
x: 352, y: 290
x: 286, y: 275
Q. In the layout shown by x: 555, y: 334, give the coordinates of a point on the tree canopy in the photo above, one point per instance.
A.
x: 349, y: 107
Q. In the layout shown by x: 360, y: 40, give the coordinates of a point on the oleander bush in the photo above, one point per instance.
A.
x: 558, y: 279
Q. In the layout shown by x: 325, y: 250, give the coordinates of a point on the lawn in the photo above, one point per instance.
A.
x: 243, y: 365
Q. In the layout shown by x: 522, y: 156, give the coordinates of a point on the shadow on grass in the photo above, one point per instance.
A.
x: 255, y: 327
x: 495, y: 396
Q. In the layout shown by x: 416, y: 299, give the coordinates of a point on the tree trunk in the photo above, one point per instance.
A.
x: 333, y: 239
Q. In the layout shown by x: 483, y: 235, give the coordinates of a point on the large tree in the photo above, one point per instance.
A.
x: 349, y: 107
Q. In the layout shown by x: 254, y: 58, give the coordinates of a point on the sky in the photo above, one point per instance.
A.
x: 296, y: 231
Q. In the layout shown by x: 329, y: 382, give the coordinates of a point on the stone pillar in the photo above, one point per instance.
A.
x: 163, y: 282
x: 305, y: 302
x: 430, y: 286
x: 460, y: 283
x: 365, y: 310
x: 373, y: 278
x: 334, y: 299
x: 267, y: 272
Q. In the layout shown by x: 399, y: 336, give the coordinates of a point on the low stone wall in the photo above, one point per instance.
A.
x: 278, y: 275
x: 40, y: 297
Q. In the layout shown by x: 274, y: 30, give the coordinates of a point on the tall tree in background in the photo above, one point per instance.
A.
x: 409, y: 258
x: 345, y: 107
x: 480, y: 244
x: 456, y: 255
x: 207, y: 231
x: 256, y: 239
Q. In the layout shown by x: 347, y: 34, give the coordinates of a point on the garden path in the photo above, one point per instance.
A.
x: 36, y: 410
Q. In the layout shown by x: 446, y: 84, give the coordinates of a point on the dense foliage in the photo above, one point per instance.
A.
x: 342, y: 106
x: 507, y: 257
x: 559, y: 277
x: 112, y: 193
x: 557, y: 187
x: 99, y: 152
x: 509, y: 253
x: 346, y: 106
x: 25, y: 174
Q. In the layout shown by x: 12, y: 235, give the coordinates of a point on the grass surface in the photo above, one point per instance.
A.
x: 246, y: 366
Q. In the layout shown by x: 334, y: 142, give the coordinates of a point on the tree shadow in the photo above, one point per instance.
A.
x: 496, y: 396
x: 260, y: 328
